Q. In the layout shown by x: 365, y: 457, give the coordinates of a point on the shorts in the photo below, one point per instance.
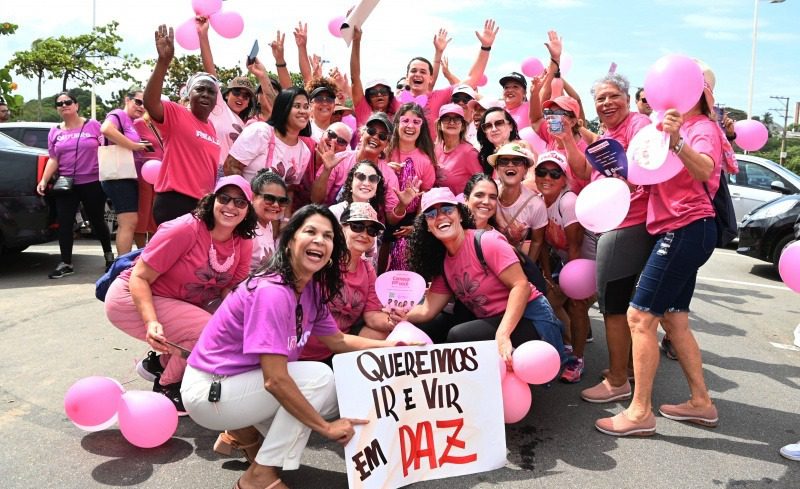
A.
x: 668, y: 280
x: 621, y: 256
x: 124, y: 194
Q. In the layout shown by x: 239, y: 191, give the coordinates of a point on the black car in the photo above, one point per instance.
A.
x: 25, y: 216
x: 768, y: 228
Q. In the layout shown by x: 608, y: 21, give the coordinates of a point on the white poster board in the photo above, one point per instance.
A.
x: 434, y: 411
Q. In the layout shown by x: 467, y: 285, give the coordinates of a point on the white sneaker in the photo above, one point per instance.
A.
x: 792, y: 451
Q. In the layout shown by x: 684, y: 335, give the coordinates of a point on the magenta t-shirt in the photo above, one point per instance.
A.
x: 259, y: 318
x: 76, y: 151
x: 362, y: 111
x: 521, y: 115
x: 179, y: 252
x: 681, y: 200
x: 455, y: 167
x: 339, y: 175
x: 423, y: 166
x: 480, y: 290
x: 191, y: 151
x: 436, y: 99
x: 355, y: 298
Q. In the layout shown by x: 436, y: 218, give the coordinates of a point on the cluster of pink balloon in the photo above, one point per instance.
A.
x: 535, y: 362
x: 146, y: 419
x: 150, y: 171
x: 227, y: 24
x: 789, y: 266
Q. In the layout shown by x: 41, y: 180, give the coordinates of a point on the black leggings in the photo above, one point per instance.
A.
x: 170, y: 205
x: 463, y: 326
x: 94, y: 202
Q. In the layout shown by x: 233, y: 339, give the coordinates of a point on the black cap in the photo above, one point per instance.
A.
x: 320, y: 90
x: 383, y: 119
x: 515, y: 77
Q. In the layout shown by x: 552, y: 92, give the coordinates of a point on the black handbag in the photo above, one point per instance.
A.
x: 63, y: 184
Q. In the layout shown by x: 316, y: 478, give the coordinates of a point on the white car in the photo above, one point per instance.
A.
x: 759, y: 180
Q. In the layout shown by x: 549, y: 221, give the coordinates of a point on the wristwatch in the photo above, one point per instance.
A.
x: 678, y: 146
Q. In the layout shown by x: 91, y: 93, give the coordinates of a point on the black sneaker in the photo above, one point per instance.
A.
x: 150, y: 368
x: 109, y: 257
x: 590, y: 336
x: 173, y: 393
x: 62, y: 270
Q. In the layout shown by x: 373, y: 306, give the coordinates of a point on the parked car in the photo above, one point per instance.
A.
x: 765, y: 232
x: 25, y: 217
x: 759, y: 180
x: 28, y: 133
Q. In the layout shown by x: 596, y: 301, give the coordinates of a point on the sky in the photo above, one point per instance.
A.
x: 632, y: 34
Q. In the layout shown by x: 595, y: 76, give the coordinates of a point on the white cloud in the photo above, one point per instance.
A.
x: 778, y: 36
x: 721, y: 36
x: 719, y: 23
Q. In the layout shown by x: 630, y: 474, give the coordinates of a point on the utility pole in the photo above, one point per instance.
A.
x: 785, y: 125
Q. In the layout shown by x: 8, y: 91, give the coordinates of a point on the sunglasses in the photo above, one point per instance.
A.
x: 444, y: 210
x: 450, y: 119
x: 383, y: 136
x: 240, y: 92
x: 240, y: 203
x: 275, y: 199
x: 371, y: 178
x: 375, y: 92
x: 554, y: 173
x: 488, y: 126
x: 139, y: 102
x: 511, y: 162
x: 339, y: 140
x: 65, y: 103
x: 323, y: 99
x: 298, y: 321
x: 460, y: 99
x: 359, y: 227
x: 409, y: 121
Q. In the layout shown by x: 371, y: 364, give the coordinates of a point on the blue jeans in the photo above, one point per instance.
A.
x: 668, y: 279
x: 547, y: 324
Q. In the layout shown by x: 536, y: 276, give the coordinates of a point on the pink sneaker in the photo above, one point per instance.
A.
x: 706, y: 416
x: 605, y: 392
x: 620, y: 425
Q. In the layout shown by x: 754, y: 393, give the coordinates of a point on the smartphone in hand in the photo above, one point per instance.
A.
x: 251, y: 58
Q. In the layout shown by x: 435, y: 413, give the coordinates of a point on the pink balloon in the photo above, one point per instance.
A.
x: 335, y: 26
x: 532, y: 67
x: 227, y: 24
x: 205, y: 8
x: 528, y: 135
x: 789, y: 266
x: 751, y: 135
x: 186, y: 35
x: 91, y: 403
x: 516, y: 398
x: 649, y: 159
x: 536, y: 362
x: 150, y: 171
x: 147, y: 419
x: 565, y: 63
x: 603, y: 204
x: 674, y: 82
x: 578, y: 278
x: 408, y: 333
x: 482, y: 81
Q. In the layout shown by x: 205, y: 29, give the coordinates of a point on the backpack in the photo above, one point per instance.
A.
x: 724, y: 214
x: 121, y: 264
x: 530, y: 268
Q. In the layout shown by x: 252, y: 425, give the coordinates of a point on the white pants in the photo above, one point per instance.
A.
x: 245, y: 402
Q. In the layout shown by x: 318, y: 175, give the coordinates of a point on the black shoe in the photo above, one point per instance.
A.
x: 109, y: 257
x: 669, y: 350
x: 590, y: 336
x: 173, y: 393
x: 150, y: 368
x: 62, y: 270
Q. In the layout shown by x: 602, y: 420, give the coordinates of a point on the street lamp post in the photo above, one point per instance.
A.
x: 94, y: 24
x: 753, y: 58
x: 785, y: 123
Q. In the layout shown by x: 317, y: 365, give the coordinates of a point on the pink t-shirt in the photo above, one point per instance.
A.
x: 179, y: 252
x: 339, y: 175
x: 362, y: 111
x: 259, y: 318
x: 355, y: 298
x: 455, y: 167
x: 146, y: 133
x: 480, y: 290
x: 252, y: 149
x: 681, y: 200
x: 227, y: 124
x: 191, y: 153
x: 517, y: 220
x: 521, y: 115
x: 436, y: 99
x: 76, y: 151
x: 263, y: 246
x: 423, y: 166
x: 561, y: 214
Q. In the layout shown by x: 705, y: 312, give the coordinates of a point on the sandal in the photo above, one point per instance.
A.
x: 226, y: 443
x: 271, y: 486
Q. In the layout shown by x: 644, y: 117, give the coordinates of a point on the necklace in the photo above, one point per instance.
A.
x: 214, y: 261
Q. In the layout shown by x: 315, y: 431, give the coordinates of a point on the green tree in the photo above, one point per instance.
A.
x: 42, y: 62
x: 7, y: 84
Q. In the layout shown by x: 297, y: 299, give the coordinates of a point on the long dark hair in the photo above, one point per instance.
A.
x: 487, y: 148
x: 425, y: 252
x: 266, y: 176
x: 474, y: 180
x: 283, y: 106
x: 378, y: 201
x: 329, y: 279
x: 424, y: 142
x: 205, y: 212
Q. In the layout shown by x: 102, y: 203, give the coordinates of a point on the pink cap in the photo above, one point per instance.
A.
x: 237, y: 181
x: 451, y: 109
x: 565, y: 102
x: 437, y: 195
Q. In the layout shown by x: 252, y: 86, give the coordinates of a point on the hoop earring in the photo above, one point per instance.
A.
x: 330, y: 263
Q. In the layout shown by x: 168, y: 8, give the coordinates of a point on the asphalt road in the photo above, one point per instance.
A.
x: 53, y: 332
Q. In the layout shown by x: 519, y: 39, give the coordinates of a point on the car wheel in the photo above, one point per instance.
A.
x: 778, y: 250
x: 12, y: 250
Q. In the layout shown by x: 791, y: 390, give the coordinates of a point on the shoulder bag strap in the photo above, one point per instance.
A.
x: 77, y: 143
x: 156, y: 133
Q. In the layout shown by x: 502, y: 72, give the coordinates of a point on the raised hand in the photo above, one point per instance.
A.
x: 489, y: 33
x: 326, y: 152
x: 554, y: 45
x: 277, y: 47
x: 201, y: 24
x: 301, y: 34
x: 357, y: 34
x: 412, y: 191
x: 257, y: 69
x: 316, y: 65
x: 338, y: 78
x: 165, y: 42
x: 440, y: 40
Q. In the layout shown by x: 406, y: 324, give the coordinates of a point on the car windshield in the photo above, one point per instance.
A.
x: 7, y: 141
